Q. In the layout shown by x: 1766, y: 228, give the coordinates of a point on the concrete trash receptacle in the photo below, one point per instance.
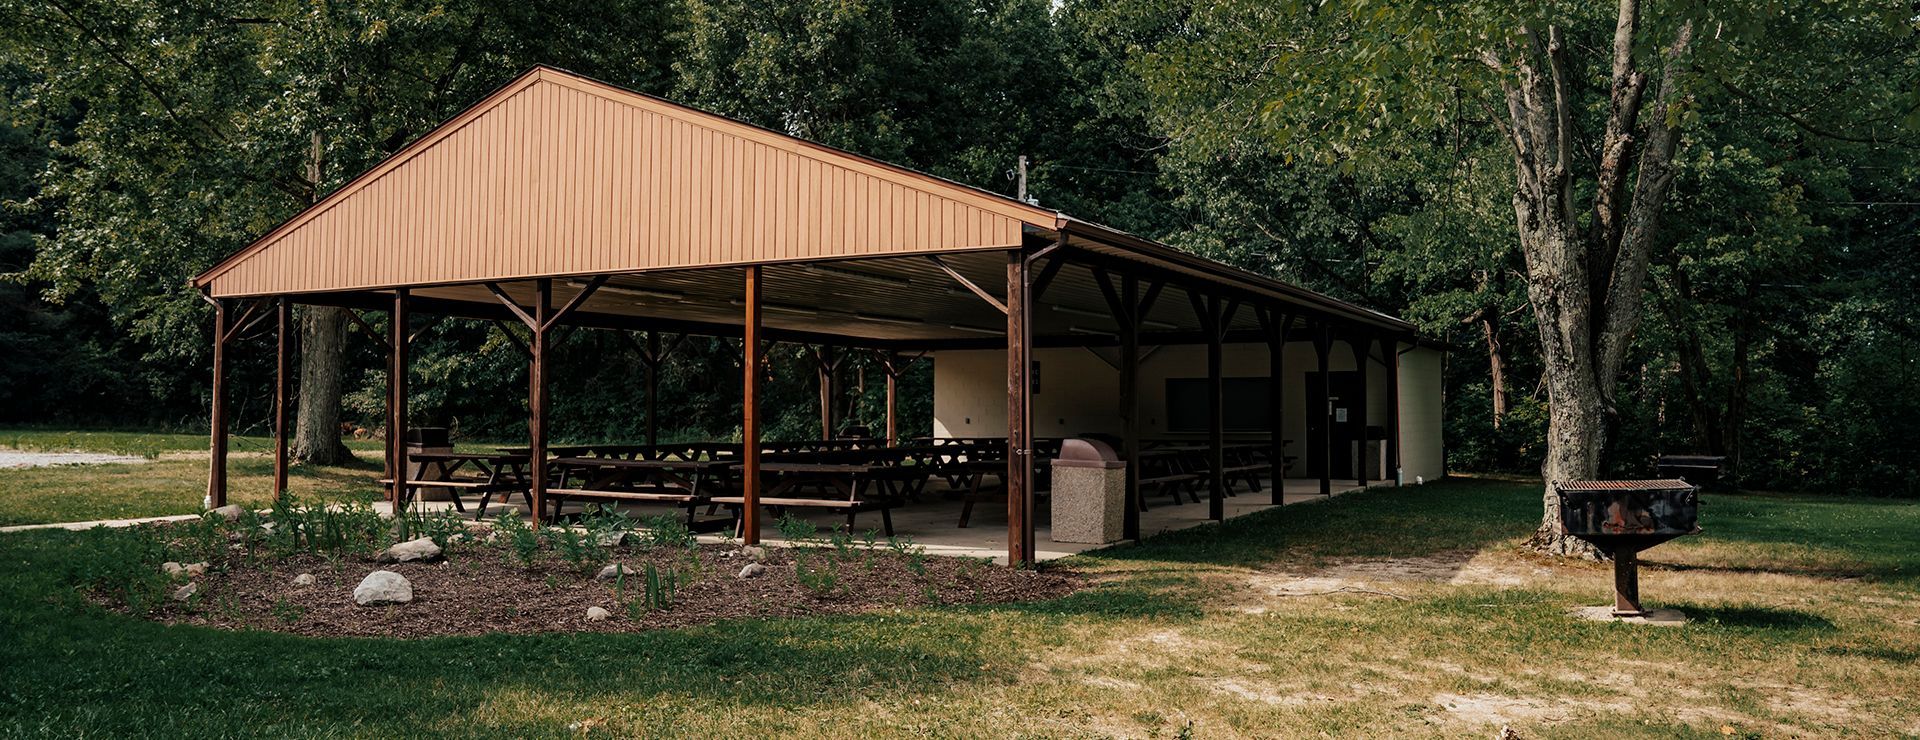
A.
x: 1089, y: 492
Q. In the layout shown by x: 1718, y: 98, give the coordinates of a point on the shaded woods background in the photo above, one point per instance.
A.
x: 143, y: 140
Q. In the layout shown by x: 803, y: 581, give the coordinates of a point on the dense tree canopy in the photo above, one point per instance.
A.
x: 1360, y: 148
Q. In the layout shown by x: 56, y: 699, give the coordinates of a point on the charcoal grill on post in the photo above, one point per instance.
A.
x: 1623, y: 517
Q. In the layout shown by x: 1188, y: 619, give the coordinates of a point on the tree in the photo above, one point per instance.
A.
x: 1591, y: 109
x: 204, y: 123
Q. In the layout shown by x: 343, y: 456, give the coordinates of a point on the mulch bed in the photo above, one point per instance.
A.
x: 479, y: 589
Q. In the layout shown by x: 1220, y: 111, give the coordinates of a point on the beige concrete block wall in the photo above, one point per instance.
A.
x: 1079, y: 393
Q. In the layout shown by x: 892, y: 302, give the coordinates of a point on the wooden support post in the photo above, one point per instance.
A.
x: 750, y: 411
x: 397, y: 401
x: 824, y: 357
x: 1391, y: 346
x: 653, y: 388
x: 1275, y: 326
x: 217, y: 465
x: 1020, y: 538
x: 1216, y: 416
x: 1130, y: 401
x: 1322, y: 346
x: 1362, y: 357
x: 282, y: 383
x: 891, y: 364
x: 540, y: 342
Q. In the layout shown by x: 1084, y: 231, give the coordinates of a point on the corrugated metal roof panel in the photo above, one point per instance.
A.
x: 556, y: 174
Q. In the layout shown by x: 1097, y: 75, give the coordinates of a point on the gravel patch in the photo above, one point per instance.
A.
x: 10, y: 459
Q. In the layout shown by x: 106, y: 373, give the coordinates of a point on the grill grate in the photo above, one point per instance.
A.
x: 1622, y: 485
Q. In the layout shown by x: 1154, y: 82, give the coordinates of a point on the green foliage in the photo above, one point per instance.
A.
x: 795, y: 529
x: 522, y: 539
x: 667, y: 530
x: 822, y: 580
x: 577, y: 546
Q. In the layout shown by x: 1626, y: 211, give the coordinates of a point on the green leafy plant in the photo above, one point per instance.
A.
x: 580, y: 548
x: 794, y: 529
x: 667, y: 530
x: 662, y: 587
x: 822, y: 581
x: 522, y: 539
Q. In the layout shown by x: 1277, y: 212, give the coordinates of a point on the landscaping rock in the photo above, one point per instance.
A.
x: 186, y: 592
x: 597, y: 614
x: 612, y: 539
x: 303, y: 580
x: 230, y: 512
x: 383, y: 587
x: 195, y: 569
x: 422, y: 549
x: 752, y: 569
x: 173, y: 569
x: 755, y: 553
x: 611, y: 572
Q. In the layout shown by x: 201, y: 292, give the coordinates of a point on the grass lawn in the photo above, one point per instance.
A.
x: 1392, y: 612
x: 171, y: 481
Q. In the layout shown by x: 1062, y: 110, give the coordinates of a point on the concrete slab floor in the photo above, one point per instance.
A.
x: 933, y: 522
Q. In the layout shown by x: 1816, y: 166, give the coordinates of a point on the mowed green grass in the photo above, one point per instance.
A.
x: 171, y: 480
x: 1805, y: 625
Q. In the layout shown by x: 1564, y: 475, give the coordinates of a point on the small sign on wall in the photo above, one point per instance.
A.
x: 1340, y: 415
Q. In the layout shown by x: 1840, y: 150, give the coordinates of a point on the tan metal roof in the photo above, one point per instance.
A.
x: 556, y: 174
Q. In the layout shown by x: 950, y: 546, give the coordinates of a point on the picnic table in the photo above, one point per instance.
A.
x: 682, y: 481
x: 848, y: 487
x: 497, y: 472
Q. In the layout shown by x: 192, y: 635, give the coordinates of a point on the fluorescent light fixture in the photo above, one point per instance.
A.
x: 1158, y: 324
x: 781, y: 307
x: 1088, y: 330
x: 974, y: 329
x: 1083, y: 312
x: 885, y: 319
x: 876, y: 277
x: 666, y: 295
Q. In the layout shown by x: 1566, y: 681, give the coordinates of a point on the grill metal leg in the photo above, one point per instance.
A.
x: 1626, y: 583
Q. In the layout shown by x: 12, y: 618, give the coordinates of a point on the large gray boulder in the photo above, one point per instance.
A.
x: 230, y: 512
x: 383, y: 587
x: 612, y: 572
x: 420, y: 550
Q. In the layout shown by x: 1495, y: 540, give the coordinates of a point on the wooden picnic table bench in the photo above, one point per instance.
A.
x: 499, y: 473
x: 845, y: 487
x: 687, y: 483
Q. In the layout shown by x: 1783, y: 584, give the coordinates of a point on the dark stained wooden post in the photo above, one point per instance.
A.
x: 1216, y: 415
x: 1322, y: 345
x: 653, y: 388
x: 1274, y: 325
x: 1390, y: 345
x: 824, y: 356
x: 1130, y: 401
x: 750, y: 411
x: 397, y: 400
x: 1020, y: 539
x: 217, y: 435
x: 537, y: 397
x: 282, y: 382
x: 891, y: 364
x: 1362, y: 357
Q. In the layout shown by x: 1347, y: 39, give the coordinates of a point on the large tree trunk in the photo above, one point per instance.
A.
x: 323, y: 339
x: 1584, y: 283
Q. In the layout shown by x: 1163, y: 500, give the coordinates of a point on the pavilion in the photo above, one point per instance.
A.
x: 559, y: 201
